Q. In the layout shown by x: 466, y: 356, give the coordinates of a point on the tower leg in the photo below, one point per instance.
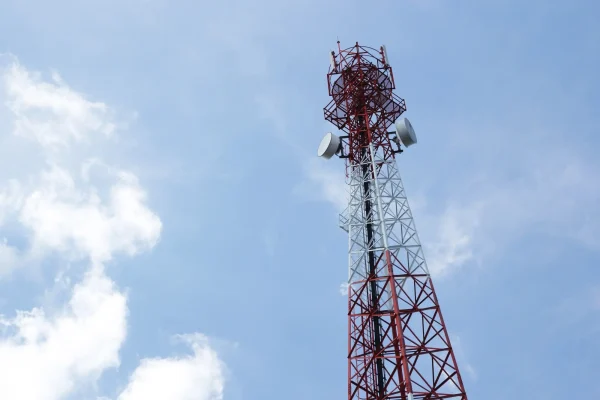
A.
x: 399, y: 347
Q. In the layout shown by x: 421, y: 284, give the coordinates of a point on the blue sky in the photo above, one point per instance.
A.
x: 205, y: 213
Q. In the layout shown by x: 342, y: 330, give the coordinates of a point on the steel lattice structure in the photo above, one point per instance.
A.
x: 398, y: 345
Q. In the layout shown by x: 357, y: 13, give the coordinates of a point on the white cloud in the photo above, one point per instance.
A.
x: 559, y: 198
x: 344, y: 287
x: 63, y: 213
x: 198, y: 376
x: 453, y: 243
x: 67, y: 218
x: 53, y: 352
x: 50, y: 112
x: 324, y: 183
x: 47, y: 356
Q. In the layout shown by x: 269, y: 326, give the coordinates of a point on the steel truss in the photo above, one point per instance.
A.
x: 398, y: 345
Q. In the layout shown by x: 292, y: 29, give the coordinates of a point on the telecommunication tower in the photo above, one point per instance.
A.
x: 398, y: 345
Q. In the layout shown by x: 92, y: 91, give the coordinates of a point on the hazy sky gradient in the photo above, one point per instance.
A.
x: 203, y: 237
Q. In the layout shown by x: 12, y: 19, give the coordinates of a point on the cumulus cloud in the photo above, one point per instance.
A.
x: 59, y: 206
x: 53, y: 352
x: 67, y: 218
x: 198, y: 376
x: 48, y: 356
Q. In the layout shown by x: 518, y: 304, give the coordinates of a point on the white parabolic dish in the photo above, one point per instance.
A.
x: 405, y: 132
x: 329, y: 146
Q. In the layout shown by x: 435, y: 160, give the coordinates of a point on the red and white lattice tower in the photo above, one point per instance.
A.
x: 398, y: 345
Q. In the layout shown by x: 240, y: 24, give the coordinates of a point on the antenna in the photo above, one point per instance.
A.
x: 332, y: 61
x: 330, y: 145
x: 399, y: 345
x: 405, y: 132
x: 386, y: 60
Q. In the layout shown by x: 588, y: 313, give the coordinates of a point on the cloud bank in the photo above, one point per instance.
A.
x: 76, y: 209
